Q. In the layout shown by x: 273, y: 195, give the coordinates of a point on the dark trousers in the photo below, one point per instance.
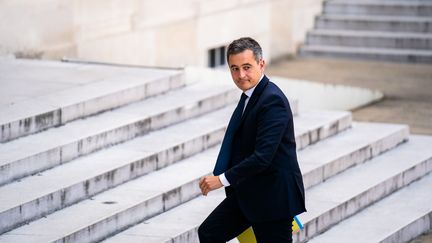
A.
x: 227, y: 222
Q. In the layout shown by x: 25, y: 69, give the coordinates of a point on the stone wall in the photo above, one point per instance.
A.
x: 150, y: 32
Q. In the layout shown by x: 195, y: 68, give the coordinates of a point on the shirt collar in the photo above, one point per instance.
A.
x: 250, y: 91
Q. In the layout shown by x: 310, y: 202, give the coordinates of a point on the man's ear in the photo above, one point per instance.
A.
x: 261, y: 64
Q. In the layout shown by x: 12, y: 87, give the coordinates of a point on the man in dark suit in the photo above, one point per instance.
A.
x: 257, y: 162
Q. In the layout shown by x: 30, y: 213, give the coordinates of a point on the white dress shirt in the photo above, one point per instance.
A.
x: 248, y: 93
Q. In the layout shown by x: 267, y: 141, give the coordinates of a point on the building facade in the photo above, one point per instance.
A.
x: 168, y: 33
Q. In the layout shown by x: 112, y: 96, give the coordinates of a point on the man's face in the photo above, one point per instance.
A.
x: 245, y: 71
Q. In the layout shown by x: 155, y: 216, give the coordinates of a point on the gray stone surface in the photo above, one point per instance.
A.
x: 141, y: 179
x: 375, y: 23
x: 388, y: 8
x: 347, y: 38
x: 99, y: 171
x: 364, y: 141
x: 397, y: 218
x: 397, y: 31
x: 348, y: 193
x: 87, y: 135
x: 37, y: 95
x: 328, y: 201
x: 131, y: 202
x: 407, y: 89
x: 176, y: 225
x: 378, y: 54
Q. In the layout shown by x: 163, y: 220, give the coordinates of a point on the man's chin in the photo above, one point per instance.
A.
x: 243, y: 85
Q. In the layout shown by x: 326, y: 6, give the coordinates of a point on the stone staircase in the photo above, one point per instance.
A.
x: 129, y: 173
x: 391, y: 30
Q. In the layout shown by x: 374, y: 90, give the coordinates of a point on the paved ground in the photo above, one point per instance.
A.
x: 407, y: 89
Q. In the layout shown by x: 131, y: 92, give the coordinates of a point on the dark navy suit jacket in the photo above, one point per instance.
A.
x: 263, y: 172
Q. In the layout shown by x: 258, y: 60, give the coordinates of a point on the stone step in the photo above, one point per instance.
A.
x: 371, y: 39
x: 177, y: 225
x: 114, y: 210
x: 400, y: 217
x: 393, y: 55
x: 32, y: 154
x: 363, y: 142
x: 89, y: 175
x: 348, y: 193
x: 147, y: 194
x: 375, y: 23
x: 383, y: 8
x: 72, y: 91
x: 316, y: 125
x: 166, y: 227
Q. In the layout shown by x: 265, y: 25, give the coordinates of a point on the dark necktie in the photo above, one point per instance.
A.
x: 225, y: 151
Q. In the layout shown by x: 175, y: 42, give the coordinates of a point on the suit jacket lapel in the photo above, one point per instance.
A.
x: 254, y: 98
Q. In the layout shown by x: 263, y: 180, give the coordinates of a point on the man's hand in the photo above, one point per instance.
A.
x: 209, y: 183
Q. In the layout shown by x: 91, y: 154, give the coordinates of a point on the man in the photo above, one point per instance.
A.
x: 257, y: 162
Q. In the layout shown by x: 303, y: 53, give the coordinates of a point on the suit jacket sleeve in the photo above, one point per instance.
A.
x: 272, y: 120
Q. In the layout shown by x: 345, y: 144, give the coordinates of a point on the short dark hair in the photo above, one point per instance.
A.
x: 242, y: 44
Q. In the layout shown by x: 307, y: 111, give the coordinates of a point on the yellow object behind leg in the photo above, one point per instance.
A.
x: 248, y: 235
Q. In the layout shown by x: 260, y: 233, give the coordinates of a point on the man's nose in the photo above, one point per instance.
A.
x: 242, y: 73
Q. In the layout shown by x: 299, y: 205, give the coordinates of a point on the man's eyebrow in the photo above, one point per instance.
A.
x: 244, y: 64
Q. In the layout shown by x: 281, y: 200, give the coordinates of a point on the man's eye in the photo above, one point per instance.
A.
x: 234, y: 69
x: 246, y: 68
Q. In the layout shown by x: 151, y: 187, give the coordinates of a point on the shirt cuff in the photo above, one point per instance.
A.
x: 224, y: 180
